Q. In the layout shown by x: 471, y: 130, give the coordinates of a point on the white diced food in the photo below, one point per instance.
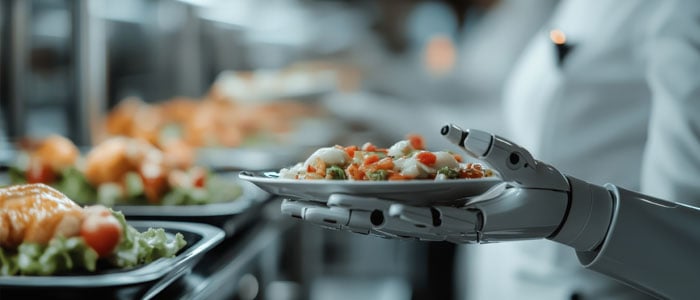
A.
x: 410, y: 166
x: 332, y: 156
x: 400, y: 149
x: 291, y: 173
x: 445, y: 159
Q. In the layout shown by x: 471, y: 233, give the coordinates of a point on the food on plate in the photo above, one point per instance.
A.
x: 43, y: 232
x: 214, y: 121
x: 405, y: 160
x: 121, y: 170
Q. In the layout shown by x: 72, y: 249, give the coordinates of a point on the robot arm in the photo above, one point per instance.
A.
x: 645, y: 242
x: 568, y: 210
x: 651, y: 244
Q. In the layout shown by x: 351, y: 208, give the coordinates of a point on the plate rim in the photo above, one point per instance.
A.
x: 253, y: 176
x: 437, y: 192
x: 249, y: 196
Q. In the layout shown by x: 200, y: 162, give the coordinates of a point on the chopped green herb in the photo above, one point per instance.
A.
x: 335, y: 172
x: 378, y: 175
x: 449, y: 173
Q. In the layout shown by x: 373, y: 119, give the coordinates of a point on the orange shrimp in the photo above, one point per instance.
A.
x: 57, y: 152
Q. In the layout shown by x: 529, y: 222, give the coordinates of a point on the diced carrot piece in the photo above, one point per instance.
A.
x: 354, y: 171
x: 386, y: 163
x: 310, y: 169
x: 313, y: 176
x: 372, y: 158
x: 369, y: 147
x: 350, y: 150
x: 399, y: 176
x: 470, y: 173
x: 457, y: 157
x: 320, y: 167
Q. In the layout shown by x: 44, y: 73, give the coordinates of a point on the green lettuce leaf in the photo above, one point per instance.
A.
x: 75, y: 186
x: 59, y: 256
x: 138, y: 248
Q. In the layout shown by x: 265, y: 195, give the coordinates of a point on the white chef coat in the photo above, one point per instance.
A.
x: 671, y: 166
x: 589, y: 117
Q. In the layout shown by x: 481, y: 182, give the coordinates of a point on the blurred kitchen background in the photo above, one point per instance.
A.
x: 370, y: 70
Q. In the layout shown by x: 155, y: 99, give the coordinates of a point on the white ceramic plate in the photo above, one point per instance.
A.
x: 414, y: 192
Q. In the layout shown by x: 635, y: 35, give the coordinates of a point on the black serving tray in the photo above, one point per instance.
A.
x: 143, y: 282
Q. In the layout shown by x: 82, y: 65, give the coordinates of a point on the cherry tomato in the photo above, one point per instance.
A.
x: 199, y: 179
x: 416, y: 141
x: 426, y: 158
x: 101, y: 230
x: 40, y: 172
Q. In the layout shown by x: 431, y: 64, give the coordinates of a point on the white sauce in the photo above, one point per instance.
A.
x: 329, y: 155
x: 410, y: 166
x: 401, y: 148
x: 445, y: 159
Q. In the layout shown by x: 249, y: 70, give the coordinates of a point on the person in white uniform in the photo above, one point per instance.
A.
x: 622, y: 101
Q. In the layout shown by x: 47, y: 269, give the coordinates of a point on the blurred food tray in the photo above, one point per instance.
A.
x: 230, y: 216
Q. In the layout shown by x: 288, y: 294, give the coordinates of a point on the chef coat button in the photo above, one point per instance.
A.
x: 576, y: 296
x: 562, y: 46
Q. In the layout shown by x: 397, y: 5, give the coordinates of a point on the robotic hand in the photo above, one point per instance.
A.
x: 646, y: 242
x: 532, y: 202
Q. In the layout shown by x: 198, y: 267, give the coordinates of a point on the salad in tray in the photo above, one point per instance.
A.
x: 121, y: 170
x: 43, y: 232
x: 405, y: 160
